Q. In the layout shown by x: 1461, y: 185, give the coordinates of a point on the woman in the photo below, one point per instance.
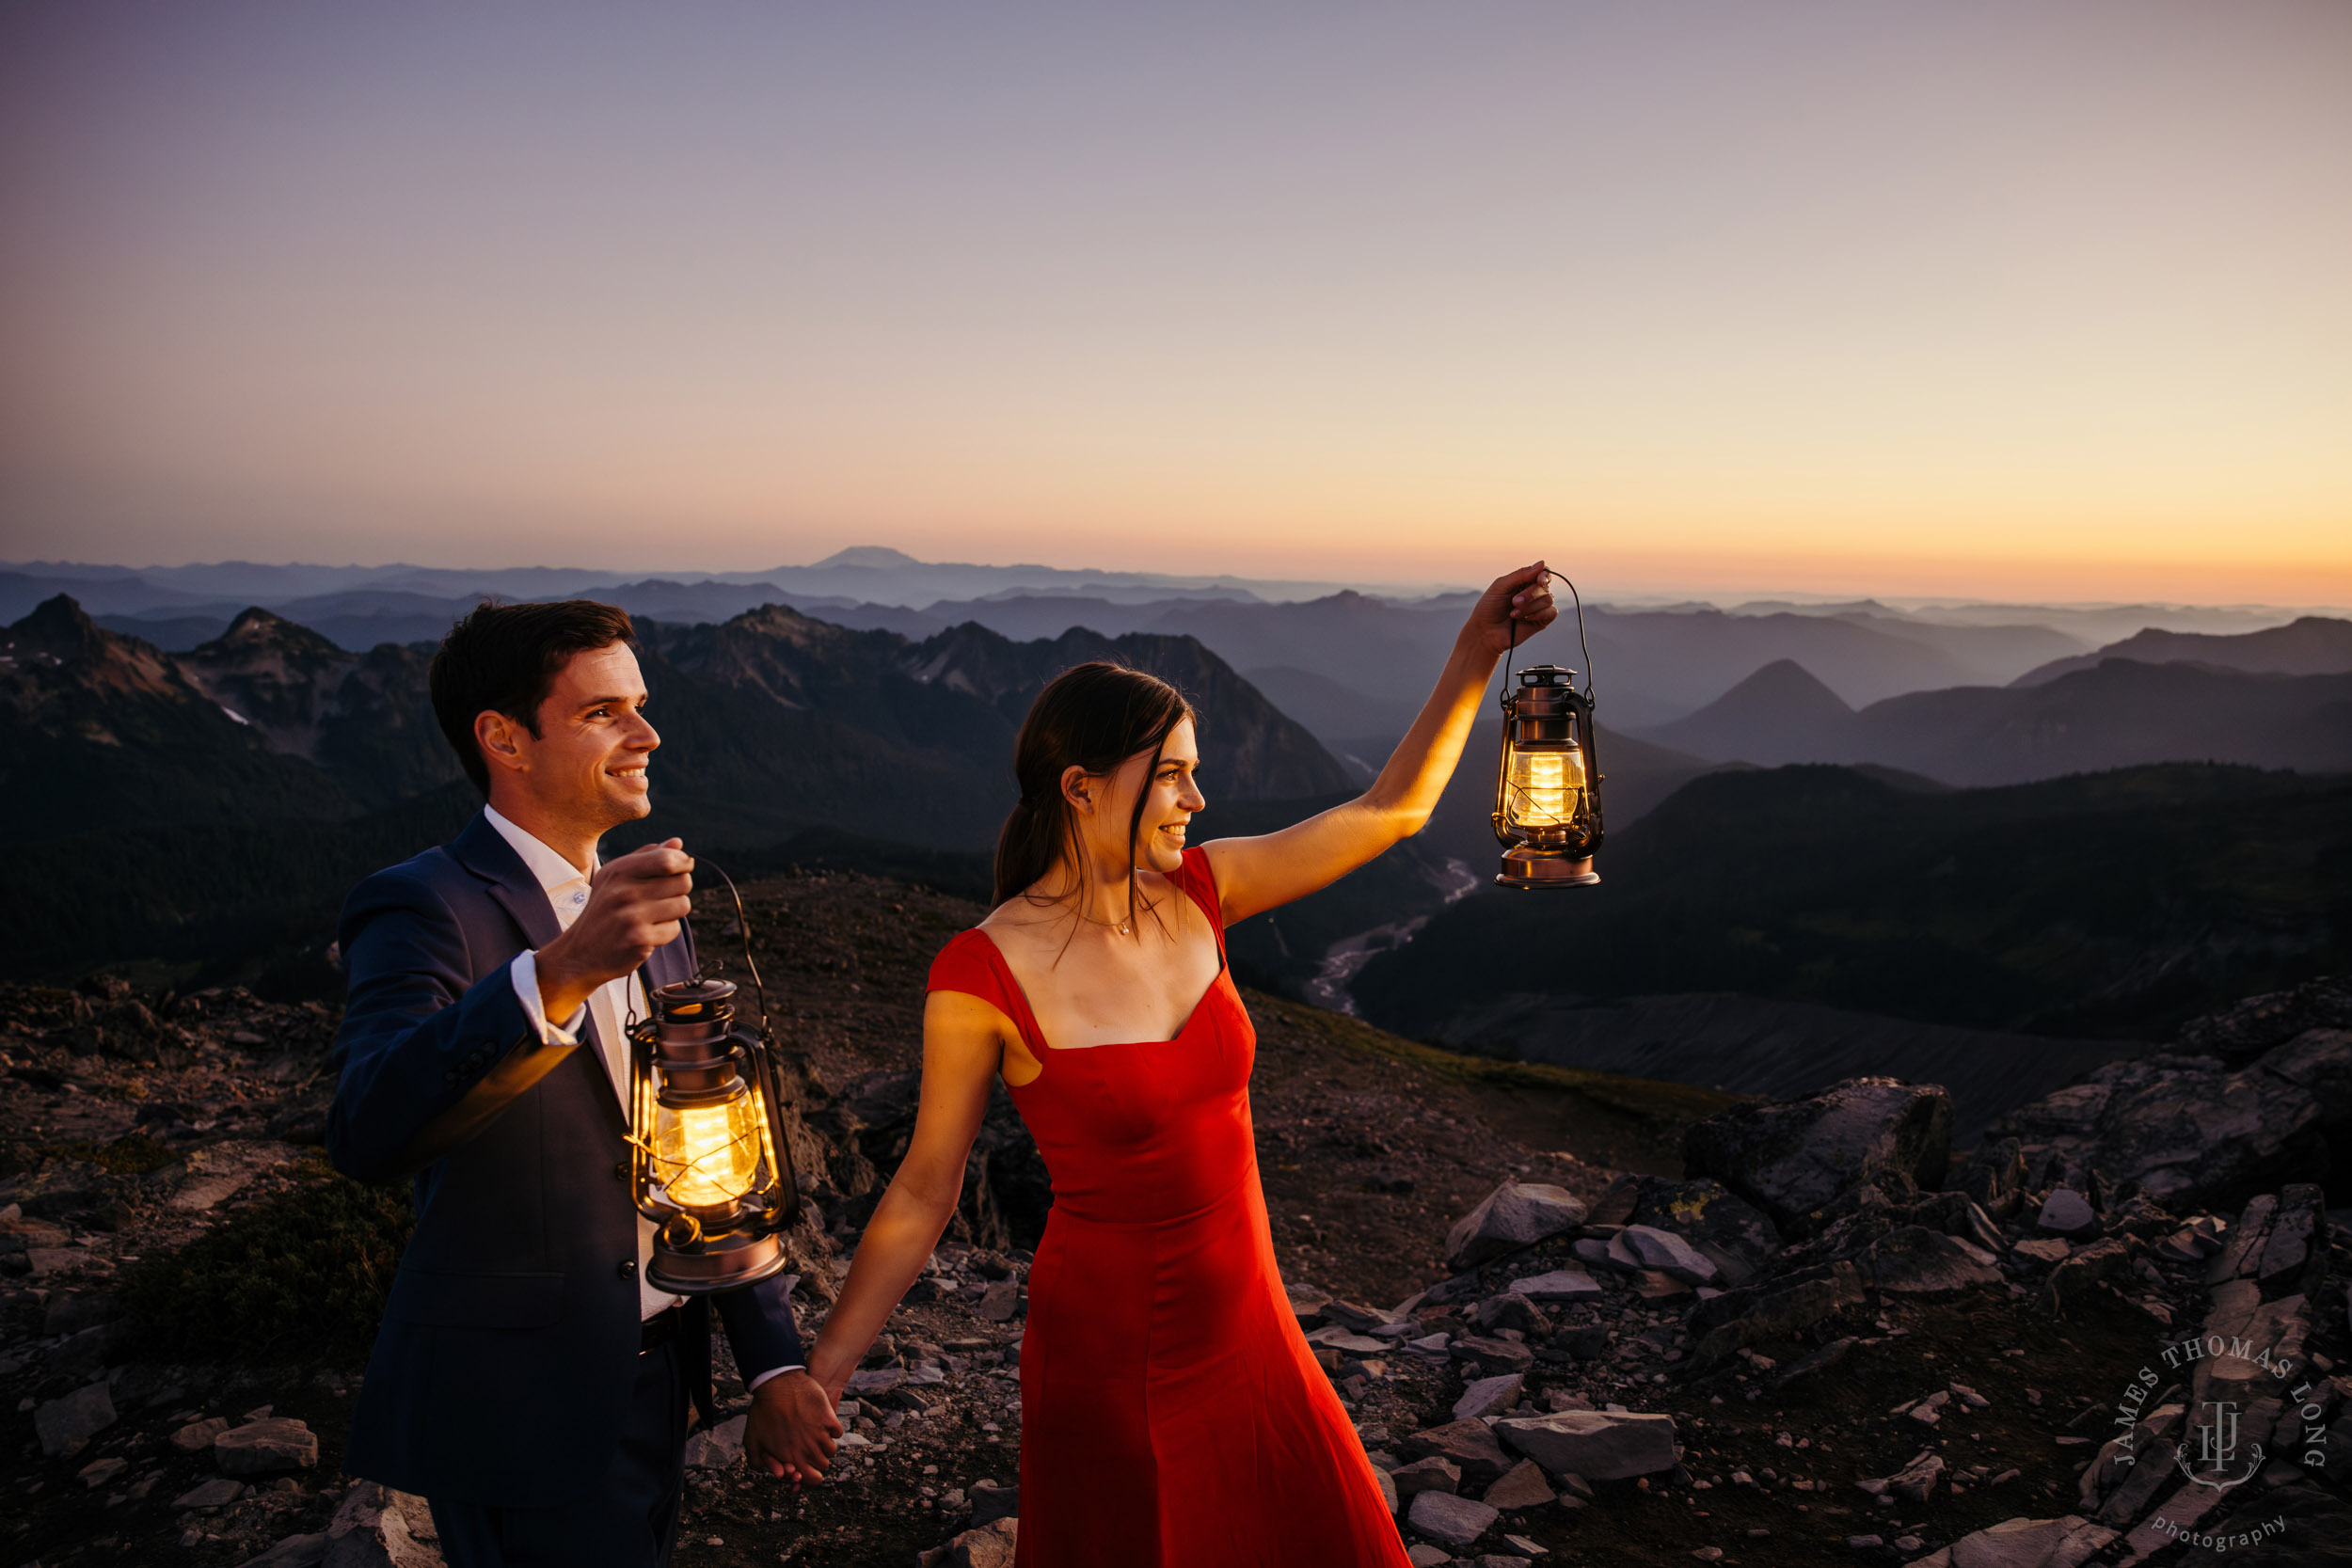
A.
x: 1172, y: 1411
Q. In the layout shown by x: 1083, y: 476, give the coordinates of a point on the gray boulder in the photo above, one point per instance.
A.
x: 1597, y: 1444
x: 1450, y: 1520
x: 720, y: 1447
x: 1669, y: 1254
x: 1792, y: 1158
x: 2067, y: 1213
x: 1738, y: 1319
x: 65, y: 1425
x: 1918, y: 1261
x: 264, y: 1448
x: 1513, y: 1216
x: 1558, y: 1285
x: 1490, y: 1396
x: 2261, y: 1023
x: 2065, y: 1542
x: 991, y: 1545
x: 2192, y: 1132
x: 219, y: 1492
x: 375, y: 1526
x: 1522, y: 1486
x: 1470, y: 1446
x: 1493, y: 1358
x: 1433, y: 1474
x: 992, y: 1502
x: 1730, y: 1230
x: 295, y: 1551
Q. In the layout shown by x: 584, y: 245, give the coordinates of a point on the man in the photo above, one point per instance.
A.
x: 527, y: 1381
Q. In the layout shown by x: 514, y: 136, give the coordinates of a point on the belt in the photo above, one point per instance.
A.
x: 659, y: 1329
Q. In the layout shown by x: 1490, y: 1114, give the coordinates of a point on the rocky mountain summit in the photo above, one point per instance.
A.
x: 1781, y: 1332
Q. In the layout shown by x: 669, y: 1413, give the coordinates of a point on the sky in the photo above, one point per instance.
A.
x: 1988, y: 299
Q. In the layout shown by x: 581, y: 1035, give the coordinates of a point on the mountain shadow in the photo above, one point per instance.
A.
x: 2112, y: 904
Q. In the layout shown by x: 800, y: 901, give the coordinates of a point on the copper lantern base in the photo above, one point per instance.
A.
x: 1524, y: 867
x: 722, y: 1263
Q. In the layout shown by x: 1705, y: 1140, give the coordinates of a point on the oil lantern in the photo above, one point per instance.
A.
x: 1547, y: 786
x: 707, y: 1168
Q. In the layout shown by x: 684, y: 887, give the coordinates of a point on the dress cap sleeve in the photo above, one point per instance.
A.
x: 963, y: 965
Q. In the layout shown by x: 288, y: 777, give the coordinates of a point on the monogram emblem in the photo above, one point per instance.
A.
x: 2217, y: 1449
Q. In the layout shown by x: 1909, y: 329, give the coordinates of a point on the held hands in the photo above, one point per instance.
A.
x: 791, y: 1431
x: 1515, y: 603
x: 635, y: 903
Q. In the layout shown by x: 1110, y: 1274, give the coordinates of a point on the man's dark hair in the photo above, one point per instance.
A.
x: 504, y: 658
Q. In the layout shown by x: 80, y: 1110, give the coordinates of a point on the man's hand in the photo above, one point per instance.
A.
x: 791, y: 1431
x: 634, y: 905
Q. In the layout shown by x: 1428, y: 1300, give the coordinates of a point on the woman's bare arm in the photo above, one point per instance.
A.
x: 1258, y: 874
x: 961, y: 1046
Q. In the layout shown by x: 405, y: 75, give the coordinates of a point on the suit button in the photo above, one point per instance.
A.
x: 628, y: 1269
x: 620, y: 1171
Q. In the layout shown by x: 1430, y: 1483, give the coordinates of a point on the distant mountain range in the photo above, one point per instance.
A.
x: 865, y: 574
x: 2115, y: 713
x: 2108, y: 904
x: 229, y: 767
x: 2308, y: 645
x: 1351, y: 665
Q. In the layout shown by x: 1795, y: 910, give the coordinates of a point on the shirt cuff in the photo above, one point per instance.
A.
x: 525, y: 971
x: 774, y: 1372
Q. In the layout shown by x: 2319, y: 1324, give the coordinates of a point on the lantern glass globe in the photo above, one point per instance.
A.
x: 1547, y: 788
x: 707, y: 1156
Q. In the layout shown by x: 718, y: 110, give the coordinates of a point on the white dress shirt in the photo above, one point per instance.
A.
x: 610, y: 1006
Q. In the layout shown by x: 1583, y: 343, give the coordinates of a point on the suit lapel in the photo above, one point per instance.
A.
x: 484, y: 851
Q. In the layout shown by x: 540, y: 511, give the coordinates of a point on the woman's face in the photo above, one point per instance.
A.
x: 1169, y: 798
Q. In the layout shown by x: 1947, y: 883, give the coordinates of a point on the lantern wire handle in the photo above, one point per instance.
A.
x: 764, y: 1058
x: 1583, y: 646
x: 743, y: 929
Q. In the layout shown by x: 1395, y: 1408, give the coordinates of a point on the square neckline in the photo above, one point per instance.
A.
x: 1033, y: 1030
x: 1190, y: 872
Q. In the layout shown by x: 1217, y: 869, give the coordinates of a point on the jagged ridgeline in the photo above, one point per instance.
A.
x: 217, y: 803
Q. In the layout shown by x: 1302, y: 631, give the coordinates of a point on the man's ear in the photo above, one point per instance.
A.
x: 1077, y: 789
x: 500, y: 740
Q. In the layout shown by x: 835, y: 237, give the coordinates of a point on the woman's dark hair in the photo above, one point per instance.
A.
x: 504, y: 658
x: 1092, y: 716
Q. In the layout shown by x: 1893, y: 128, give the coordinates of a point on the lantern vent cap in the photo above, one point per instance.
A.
x: 690, y: 997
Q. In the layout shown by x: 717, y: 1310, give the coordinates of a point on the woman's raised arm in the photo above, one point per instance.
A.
x: 1254, y: 874
x: 962, y: 1039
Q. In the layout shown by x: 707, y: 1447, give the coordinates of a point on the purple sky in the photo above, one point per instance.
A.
x: 1993, y: 298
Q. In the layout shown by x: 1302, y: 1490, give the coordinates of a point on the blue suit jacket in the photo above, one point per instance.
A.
x: 509, y: 1343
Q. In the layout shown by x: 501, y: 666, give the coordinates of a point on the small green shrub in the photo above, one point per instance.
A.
x: 306, y: 1273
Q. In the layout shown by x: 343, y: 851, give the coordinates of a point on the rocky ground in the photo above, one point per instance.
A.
x: 1586, y: 1319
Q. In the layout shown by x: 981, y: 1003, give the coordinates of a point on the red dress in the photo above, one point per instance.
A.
x: 1172, y: 1416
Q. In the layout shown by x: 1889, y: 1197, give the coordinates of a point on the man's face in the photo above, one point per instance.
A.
x: 587, y: 765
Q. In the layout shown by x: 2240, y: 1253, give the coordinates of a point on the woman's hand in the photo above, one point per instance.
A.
x: 1516, y: 601
x: 792, y: 1430
x: 1256, y: 874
